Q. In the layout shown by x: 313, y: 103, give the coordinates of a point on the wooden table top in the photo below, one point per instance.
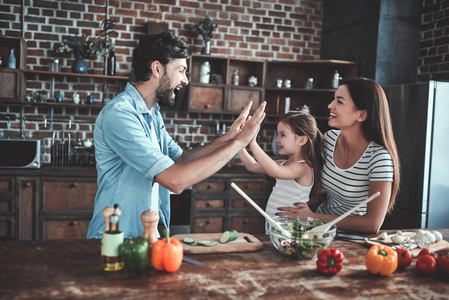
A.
x: 69, y: 269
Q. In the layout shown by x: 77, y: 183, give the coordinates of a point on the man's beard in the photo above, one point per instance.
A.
x: 164, y: 93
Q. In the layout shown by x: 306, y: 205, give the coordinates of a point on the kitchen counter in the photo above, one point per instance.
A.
x: 49, y: 170
x: 69, y: 269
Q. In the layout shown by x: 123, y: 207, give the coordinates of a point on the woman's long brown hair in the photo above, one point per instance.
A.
x: 368, y: 95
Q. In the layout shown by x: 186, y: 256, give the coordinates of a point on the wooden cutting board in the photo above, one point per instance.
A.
x: 433, y: 247
x: 244, y: 243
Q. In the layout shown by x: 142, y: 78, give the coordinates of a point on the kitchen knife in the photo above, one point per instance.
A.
x: 358, y: 237
x: 192, y: 261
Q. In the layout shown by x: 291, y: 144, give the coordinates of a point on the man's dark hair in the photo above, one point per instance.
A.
x: 163, y: 47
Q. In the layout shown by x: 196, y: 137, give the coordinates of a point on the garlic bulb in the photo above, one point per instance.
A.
x: 397, y: 239
x: 438, y: 235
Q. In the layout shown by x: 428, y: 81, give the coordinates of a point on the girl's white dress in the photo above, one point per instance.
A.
x: 285, y: 193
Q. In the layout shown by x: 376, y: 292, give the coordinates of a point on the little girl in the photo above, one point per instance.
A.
x: 300, y: 140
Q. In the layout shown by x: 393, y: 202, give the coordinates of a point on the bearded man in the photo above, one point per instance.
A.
x: 137, y: 161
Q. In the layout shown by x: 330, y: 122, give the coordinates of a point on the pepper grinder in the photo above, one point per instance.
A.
x: 150, y: 219
x: 111, y: 260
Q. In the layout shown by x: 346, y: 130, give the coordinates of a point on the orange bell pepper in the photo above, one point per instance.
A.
x: 167, y: 253
x: 381, y: 260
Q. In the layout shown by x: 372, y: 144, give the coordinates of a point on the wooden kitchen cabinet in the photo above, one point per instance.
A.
x: 7, y: 207
x: 12, y: 85
x: 223, y: 96
x: 67, y: 205
x: 12, y: 81
x: 18, y: 198
x: 217, y: 207
x: 46, y: 203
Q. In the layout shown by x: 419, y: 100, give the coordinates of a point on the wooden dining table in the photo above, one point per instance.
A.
x: 70, y: 269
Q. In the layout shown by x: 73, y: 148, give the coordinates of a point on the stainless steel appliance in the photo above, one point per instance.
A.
x: 20, y: 153
x: 420, y: 122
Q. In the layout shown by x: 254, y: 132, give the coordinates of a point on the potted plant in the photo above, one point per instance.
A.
x: 205, y: 28
x: 83, y: 47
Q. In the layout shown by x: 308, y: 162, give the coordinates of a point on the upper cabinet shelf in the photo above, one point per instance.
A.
x: 221, y: 95
x: 69, y: 74
x: 18, y: 44
x: 322, y: 72
x: 317, y: 97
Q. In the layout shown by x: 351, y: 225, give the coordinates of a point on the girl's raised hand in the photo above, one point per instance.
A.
x: 252, y: 126
x: 238, y: 124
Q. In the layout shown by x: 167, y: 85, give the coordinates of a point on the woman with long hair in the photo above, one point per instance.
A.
x: 360, y: 158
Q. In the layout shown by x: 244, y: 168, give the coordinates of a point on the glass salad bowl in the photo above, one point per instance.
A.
x: 300, y: 245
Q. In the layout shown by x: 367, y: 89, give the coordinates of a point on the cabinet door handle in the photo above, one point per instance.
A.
x: 209, y: 187
x: 27, y: 184
x: 246, y: 187
x: 73, y: 223
x: 208, y: 222
x: 74, y: 185
x: 207, y: 106
x: 245, y: 221
x: 208, y: 204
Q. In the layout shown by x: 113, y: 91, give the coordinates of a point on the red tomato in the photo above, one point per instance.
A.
x: 424, y: 252
x: 404, y: 257
x: 443, y: 261
x: 426, y: 264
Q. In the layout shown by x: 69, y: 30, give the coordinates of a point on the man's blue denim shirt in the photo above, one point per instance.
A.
x: 128, y: 160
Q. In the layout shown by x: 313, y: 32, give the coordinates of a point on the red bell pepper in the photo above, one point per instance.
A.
x: 329, y: 261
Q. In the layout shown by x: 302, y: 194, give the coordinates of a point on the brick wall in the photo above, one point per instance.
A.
x: 434, y: 47
x: 263, y: 29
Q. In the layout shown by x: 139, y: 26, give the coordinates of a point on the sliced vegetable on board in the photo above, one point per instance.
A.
x: 330, y: 261
x: 381, y: 260
x: 228, y: 236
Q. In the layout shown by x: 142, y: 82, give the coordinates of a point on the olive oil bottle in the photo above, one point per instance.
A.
x: 111, y: 260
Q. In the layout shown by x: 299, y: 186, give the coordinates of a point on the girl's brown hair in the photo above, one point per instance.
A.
x: 304, y: 124
x: 368, y: 95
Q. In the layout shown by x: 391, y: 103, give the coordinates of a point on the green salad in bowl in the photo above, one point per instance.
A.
x: 301, y: 244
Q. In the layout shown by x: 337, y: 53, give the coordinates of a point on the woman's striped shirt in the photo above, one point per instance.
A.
x: 347, y: 187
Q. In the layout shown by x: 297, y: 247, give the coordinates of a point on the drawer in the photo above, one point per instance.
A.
x: 7, y: 185
x: 248, y: 224
x: 210, y: 186
x: 5, y: 206
x: 7, y: 228
x: 208, y: 224
x: 65, y: 229
x: 240, y: 203
x: 209, y: 204
x: 206, y: 98
x: 68, y: 195
x: 250, y: 185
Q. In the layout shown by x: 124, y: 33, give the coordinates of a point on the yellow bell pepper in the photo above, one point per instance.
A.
x: 381, y: 260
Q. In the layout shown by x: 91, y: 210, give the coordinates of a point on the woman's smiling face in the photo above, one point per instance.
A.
x: 343, y: 112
